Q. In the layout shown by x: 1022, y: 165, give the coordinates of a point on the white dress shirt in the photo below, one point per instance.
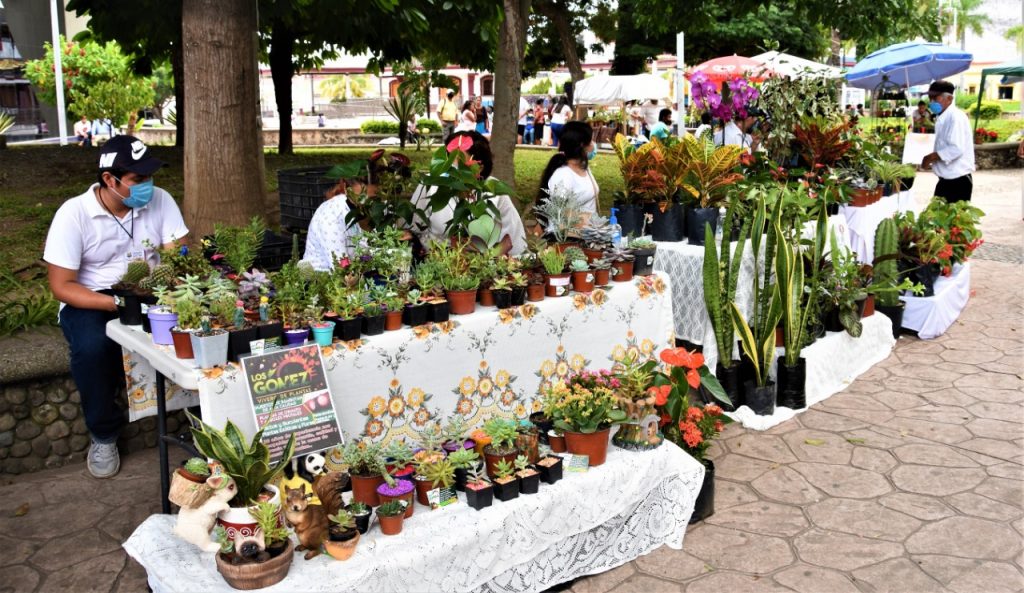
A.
x: 329, y: 235
x: 732, y: 135
x: 954, y: 143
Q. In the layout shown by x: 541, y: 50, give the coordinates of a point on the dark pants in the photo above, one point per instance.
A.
x: 97, y: 368
x: 955, y: 190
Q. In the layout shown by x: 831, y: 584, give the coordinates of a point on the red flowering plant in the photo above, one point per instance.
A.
x: 685, y: 422
x: 959, y: 224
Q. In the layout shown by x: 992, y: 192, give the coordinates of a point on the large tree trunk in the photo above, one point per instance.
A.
x: 224, y: 179
x: 178, y: 72
x: 558, y: 12
x: 508, y: 76
x: 836, y: 42
x: 282, y: 69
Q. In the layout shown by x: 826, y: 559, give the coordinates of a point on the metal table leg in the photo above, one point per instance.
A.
x: 161, y: 443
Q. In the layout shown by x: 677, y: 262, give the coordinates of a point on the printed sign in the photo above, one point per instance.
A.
x: 295, y: 378
x: 578, y: 463
x: 442, y: 497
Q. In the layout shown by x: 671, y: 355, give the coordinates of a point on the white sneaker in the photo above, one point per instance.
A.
x: 103, y: 460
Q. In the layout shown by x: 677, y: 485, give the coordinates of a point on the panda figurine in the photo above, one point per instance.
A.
x: 302, y: 471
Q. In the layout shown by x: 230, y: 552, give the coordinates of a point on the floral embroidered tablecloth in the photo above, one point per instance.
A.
x: 493, y: 362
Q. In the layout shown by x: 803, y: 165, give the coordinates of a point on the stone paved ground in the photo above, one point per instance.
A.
x: 911, y: 480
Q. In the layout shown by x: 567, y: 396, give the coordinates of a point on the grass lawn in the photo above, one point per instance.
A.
x: 35, y: 181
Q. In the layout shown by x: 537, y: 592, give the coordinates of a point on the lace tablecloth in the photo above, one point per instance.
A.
x: 489, y: 363
x: 584, y: 524
x: 833, y: 362
x: 931, y: 316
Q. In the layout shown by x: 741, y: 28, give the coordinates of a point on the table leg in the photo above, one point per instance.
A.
x: 161, y: 443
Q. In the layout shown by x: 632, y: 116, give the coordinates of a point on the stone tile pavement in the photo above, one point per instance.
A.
x: 910, y: 480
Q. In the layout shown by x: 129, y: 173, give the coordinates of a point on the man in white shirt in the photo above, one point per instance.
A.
x: 92, y: 238
x: 651, y: 111
x: 953, y: 159
x: 735, y: 133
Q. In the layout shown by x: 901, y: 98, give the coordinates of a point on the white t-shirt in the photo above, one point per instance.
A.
x: 85, y: 237
x: 651, y: 115
x: 560, y: 116
x: 511, y: 222
x: 701, y: 130
x: 328, y: 234
x: 584, y: 187
x: 954, y: 142
x: 524, y: 108
x: 732, y: 135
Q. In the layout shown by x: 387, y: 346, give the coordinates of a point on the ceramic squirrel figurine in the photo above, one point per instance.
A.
x: 194, y: 525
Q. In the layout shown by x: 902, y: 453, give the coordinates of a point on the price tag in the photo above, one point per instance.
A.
x: 442, y: 497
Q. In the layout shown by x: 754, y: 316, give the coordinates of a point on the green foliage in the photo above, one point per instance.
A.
x: 98, y: 79
x: 391, y: 508
x: 378, y: 126
x: 6, y: 122
x: 503, y: 469
x: 521, y: 463
x: 797, y: 308
x: 989, y: 110
x: 197, y: 466
x: 239, y: 244
x: 25, y: 305
x: 343, y: 519
x: 502, y: 433
x: 430, y: 125
x: 247, y: 463
x: 721, y: 273
x: 455, y: 266
x: 440, y: 472
x: 358, y: 508
x: 455, y: 430
x: 363, y: 458
x: 267, y: 516
x: 135, y: 272
x: 457, y: 186
x: 576, y: 408
x: 464, y: 458
x: 403, y: 107
x: 552, y: 260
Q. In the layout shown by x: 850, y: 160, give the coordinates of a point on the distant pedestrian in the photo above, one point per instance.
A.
x: 448, y: 113
x: 321, y: 121
x: 705, y: 125
x: 663, y: 129
x: 521, y: 121
x: 560, y: 116
x: 83, y: 132
x: 483, y: 126
x: 539, y: 117
x: 651, y: 113
x: 467, y: 121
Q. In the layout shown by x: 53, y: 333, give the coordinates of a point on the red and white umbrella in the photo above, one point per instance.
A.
x: 726, y: 68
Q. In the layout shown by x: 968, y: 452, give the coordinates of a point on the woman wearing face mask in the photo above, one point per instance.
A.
x: 569, y: 169
x: 91, y: 240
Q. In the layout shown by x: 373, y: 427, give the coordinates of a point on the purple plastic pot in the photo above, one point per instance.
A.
x: 161, y: 321
x: 295, y: 336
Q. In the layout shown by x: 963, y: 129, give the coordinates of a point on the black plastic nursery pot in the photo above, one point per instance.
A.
x: 461, y: 477
x: 362, y: 522
x: 543, y: 425
x: 696, y: 220
x: 704, y: 507
x: 926, y: 275
x: 439, y: 312
x: 480, y: 498
x: 506, y: 491
x: 667, y: 225
x: 631, y: 218
x: 238, y: 342
x: 791, y: 384
x: 414, y: 315
x: 643, y: 262
x: 529, y: 484
x: 760, y: 399
x: 895, y: 314
x: 129, y: 309
x: 518, y: 296
x: 730, y: 378
x: 502, y: 298
x: 552, y: 472
x: 270, y: 330
x: 347, y: 330
x: 373, y: 325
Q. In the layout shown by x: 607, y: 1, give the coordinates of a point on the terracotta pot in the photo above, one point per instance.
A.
x: 182, y: 343
x: 623, y: 271
x: 557, y: 443
x: 535, y: 292
x: 869, y: 306
x: 422, y: 487
x: 391, y: 525
x: 556, y: 285
x: 486, y: 297
x: 602, y: 277
x: 594, y: 445
x: 364, y: 489
x: 341, y: 550
x: 592, y: 255
x: 408, y: 498
x: 257, y: 575
x: 491, y: 460
x: 393, y: 320
x: 583, y: 281
x: 481, y: 440
x: 561, y: 247
x: 461, y: 302
x: 866, y: 197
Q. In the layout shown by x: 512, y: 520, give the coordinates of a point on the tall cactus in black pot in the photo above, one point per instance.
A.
x: 885, y: 283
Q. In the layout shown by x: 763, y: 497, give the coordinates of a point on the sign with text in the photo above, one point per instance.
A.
x: 295, y: 378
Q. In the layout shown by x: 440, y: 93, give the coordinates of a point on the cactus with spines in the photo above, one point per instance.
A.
x: 136, y: 272
x: 885, y: 269
x: 162, y: 275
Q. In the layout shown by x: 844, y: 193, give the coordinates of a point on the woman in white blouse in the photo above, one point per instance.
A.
x: 569, y: 169
x: 330, y: 237
x: 513, y: 234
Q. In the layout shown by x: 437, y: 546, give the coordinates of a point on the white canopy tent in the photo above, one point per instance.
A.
x: 602, y: 90
x: 788, y: 65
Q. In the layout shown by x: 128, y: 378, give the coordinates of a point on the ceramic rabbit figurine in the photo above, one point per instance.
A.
x: 194, y: 524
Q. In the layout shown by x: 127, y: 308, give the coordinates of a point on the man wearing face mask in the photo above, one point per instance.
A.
x: 91, y: 240
x: 953, y: 159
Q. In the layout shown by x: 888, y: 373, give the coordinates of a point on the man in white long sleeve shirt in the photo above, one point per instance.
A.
x: 953, y: 159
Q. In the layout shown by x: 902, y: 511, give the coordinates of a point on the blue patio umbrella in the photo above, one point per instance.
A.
x: 907, y: 64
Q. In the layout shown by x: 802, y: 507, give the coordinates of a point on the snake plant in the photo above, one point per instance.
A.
x: 721, y: 274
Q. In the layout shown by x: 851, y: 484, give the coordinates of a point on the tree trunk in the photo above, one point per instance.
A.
x: 558, y: 12
x: 224, y: 179
x: 508, y: 75
x: 282, y: 69
x: 178, y: 71
x: 837, y: 49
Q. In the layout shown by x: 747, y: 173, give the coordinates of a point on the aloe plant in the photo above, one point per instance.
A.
x: 721, y: 274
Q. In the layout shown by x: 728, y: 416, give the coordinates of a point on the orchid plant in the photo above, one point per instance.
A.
x: 733, y: 102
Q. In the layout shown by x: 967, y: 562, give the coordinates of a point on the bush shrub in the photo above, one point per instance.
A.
x: 379, y: 126
x: 431, y: 125
x: 989, y: 110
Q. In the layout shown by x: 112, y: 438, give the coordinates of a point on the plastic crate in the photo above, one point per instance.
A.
x: 301, y: 191
x: 277, y: 250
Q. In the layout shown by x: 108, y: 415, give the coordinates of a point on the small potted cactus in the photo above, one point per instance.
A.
x: 550, y: 469
x: 463, y: 461
x: 501, y: 288
x: 342, y: 535
x: 529, y: 478
x: 391, y: 514
x: 602, y: 271
x: 582, y: 277
x: 361, y: 513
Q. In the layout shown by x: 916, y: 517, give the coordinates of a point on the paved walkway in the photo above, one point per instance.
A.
x: 911, y: 480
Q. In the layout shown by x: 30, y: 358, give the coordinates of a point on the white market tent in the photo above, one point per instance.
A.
x: 787, y: 65
x: 604, y: 89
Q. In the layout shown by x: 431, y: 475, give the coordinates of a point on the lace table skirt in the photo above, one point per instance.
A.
x: 584, y: 524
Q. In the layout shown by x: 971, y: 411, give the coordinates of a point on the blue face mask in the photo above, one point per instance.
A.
x: 139, y: 194
x: 935, y: 107
x: 592, y: 153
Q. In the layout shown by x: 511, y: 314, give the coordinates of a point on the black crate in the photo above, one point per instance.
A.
x: 301, y: 191
x: 277, y: 250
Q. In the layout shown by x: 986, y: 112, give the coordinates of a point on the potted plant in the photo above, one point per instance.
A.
x: 556, y: 440
x: 602, y: 271
x: 503, y: 443
x: 842, y: 292
x: 622, y: 263
x: 528, y: 440
x: 416, y: 308
x: 342, y: 535
x: 453, y: 435
x: 550, y: 468
x: 347, y: 304
x: 886, y: 283
x: 457, y: 275
x: 642, y: 169
x: 248, y: 464
x: 519, y: 281
x: 643, y: 256
x: 556, y: 278
x: 502, y: 291
x: 479, y: 492
x: 397, y: 490
x: 209, y: 345
x: 400, y: 461
x: 162, y: 317
x: 636, y: 398
x: 291, y: 301
x: 130, y: 294
x: 582, y: 277
x: 437, y: 473
x: 391, y: 514
x: 505, y: 481
x: 529, y: 478
x: 269, y: 563
x: 323, y: 332
x: 596, y: 235
x: 188, y: 306
x: 585, y: 416
x: 463, y: 461
x: 188, y: 484
x: 710, y: 173
x: 361, y: 514
x: 239, y: 245
x: 394, y: 306
x: 560, y: 214
x: 365, y: 462
x: 536, y: 287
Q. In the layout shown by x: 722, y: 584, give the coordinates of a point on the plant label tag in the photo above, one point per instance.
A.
x: 257, y: 346
x: 590, y: 277
x: 650, y: 260
x: 578, y: 463
x: 441, y: 497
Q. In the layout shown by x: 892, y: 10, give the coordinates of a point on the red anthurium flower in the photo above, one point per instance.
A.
x: 693, y: 378
x: 375, y: 155
x: 660, y: 394
x: 463, y: 143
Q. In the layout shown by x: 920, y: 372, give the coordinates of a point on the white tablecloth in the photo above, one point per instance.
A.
x: 142, y: 359
x: 833, y: 362
x: 861, y: 222
x: 479, y: 365
x: 931, y: 316
x: 584, y: 524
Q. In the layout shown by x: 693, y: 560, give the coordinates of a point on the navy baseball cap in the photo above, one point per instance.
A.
x: 129, y: 154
